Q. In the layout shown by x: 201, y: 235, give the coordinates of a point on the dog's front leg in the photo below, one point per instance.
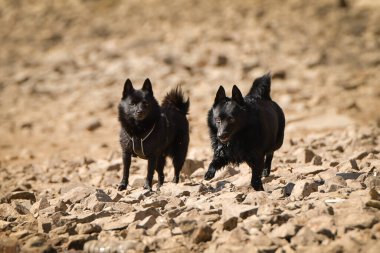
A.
x: 257, y: 166
x: 152, y: 161
x: 216, y: 164
x: 126, y: 165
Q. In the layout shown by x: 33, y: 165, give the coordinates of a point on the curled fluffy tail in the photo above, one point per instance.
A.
x: 261, y: 87
x: 175, y: 99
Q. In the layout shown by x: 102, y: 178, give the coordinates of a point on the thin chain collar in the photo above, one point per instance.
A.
x: 142, y: 141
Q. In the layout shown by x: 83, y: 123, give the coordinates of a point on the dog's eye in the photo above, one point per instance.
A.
x: 217, y: 120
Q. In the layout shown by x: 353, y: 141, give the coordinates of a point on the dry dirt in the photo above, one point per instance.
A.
x: 63, y: 65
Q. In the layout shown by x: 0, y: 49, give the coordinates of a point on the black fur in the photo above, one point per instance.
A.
x: 246, y: 129
x: 140, y: 114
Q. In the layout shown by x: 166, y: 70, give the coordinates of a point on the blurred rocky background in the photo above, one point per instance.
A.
x: 62, y: 68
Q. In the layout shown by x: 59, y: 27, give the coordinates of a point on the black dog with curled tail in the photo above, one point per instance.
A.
x: 246, y: 129
x: 152, y: 132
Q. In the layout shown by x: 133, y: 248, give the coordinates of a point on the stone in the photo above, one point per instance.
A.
x: 77, y: 194
x: 114, y: 194
x: 88, y: 228
x: 348, y: 166
x: 150, y: 211
x: 373, y: 203
x: 373, y: 182
x: 285, y: 231
x: 349, y: 175
x: 39, y: 205
x: 20, y: 234
x: 303, y: 188
x: 36, y: 241
x: 199, y: 173
x: 9, y: 245
x: 76, y: 242
x: 190, y: 166
x: 4, y: 225
x: 8, y: 213
x: 375, y: 231
x: 157, y: 203
x: 20, y: 207
x: 317, y: 160
x: 44, y: 225
x: 305, y: 236
x: 91, y: 124
x: 238, y: 210
x: 137, y: 181
x: 323, y: 224
x: 147, y: 222
x: 117, y: 224
x: 334, y: 184
x: 113, y: 245
x: 256, y: 198
x: 221, y: 60
x: 96, y: 201
x: 356, y: 220
x: 288, y: 188
x: 227, y: 172
x: 202, y: 233
x: 230, y: 223
x: 20, y: 195
x: 310, y: 170
x: 304, y: 155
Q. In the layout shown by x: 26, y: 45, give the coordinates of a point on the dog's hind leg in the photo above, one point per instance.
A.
x: 160, y: 170
x: 257, y: 166
x: 268, y: 164
x: 179, y: 156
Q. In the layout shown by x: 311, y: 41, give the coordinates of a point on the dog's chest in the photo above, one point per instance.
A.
x: 235, y: 153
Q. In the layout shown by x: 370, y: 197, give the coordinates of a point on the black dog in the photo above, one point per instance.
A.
x: 153, y: 132
x: 246, y: 129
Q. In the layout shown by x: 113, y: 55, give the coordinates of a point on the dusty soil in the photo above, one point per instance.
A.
x: 63, y: 64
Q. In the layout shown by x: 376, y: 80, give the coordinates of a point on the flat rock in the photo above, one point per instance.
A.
x: 20, y: 195
x: 310, y: 170
x: 76, y: 242
x: 256, y: 198
x: 190, y: 166
x: 238, y: 210
x: 334, y: 184
x: 77, y: 194
x: 356, y: 220
x: 303, y: 188
x: 285, y: 231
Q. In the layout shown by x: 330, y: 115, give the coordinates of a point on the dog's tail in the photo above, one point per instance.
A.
x: 175, y: 99
x: 261, y: 87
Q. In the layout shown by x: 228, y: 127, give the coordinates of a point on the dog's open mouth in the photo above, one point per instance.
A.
x: 140, y: 115
x: 224, y: 139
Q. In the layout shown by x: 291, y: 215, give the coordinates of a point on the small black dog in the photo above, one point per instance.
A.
x: 153, y: 132
x: 246, y: 129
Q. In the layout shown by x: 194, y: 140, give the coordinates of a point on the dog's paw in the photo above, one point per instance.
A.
x: 147, y: 186
x: 122, y: 187
x: 210, y: 174
x: 175, y: 180
x: 257, y: 185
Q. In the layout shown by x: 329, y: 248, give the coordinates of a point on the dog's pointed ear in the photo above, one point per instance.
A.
x: 128, y: 88
x: 147, y: 86
x: 220, y: 95
x: 237, y: 96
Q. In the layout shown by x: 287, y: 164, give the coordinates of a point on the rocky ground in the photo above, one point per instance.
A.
x: 63, y: 64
